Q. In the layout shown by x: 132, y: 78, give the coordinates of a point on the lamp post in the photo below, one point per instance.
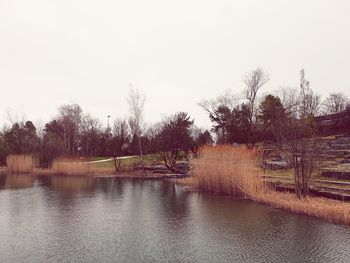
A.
x: 108, y: 121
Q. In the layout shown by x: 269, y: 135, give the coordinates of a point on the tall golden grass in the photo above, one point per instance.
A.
x: 19, y: 163
x: 228, y: 169
x: 233, y: 170
x: 68, y: 166
x: 331, y: 210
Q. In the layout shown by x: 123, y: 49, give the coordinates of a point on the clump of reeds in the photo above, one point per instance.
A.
x: 65, y: 166
x: 228, y: 169
x: 233, y: 170
x: 328, y: 209
x: 20, y: 163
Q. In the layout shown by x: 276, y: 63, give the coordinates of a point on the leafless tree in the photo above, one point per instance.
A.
x: 289, y: 98
x: 117, y: 163
x: 300, y: 144
x: 227, y: 99
x: 297, y: 134
x: 254, y: 81
x: 335, y: 103
x: 309, y: 101
x: 88, y: 123
x: 70, y: 117
x: 121, y: 134
x: 120, y: 141
x: 121, y: 129
x: 40, y: 126
x: 152, y: 132
x: 15, y: 116
x: 136, y: 101
x: 90, y: 130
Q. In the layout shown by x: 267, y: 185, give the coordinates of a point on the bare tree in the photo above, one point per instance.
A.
x: 120, y: 141
x: 121, y: 134
x: 40, y: 126
x: 289, y: 98
x: 90, y: 131
x: 309, y: 101
x: 335, y: 103
x: 301, y: 147
x: 70, y: 117
x: 151, y: 133
x: 136, y: 101
x: 14, y: 116
x: 227, y: 99
x: 297, y: 133
x: 253, y: 81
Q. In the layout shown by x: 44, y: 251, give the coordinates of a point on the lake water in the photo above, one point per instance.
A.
x: 62, y: 219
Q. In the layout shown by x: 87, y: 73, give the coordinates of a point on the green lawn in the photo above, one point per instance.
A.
x: 149, y: 159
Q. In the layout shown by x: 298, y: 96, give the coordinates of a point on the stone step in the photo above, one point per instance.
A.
x: 336, y: 174
x: 343, y: 146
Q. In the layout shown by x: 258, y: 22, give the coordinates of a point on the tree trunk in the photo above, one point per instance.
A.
x: 141, y: 155
x: 297, y: 183
x: 116, y: 163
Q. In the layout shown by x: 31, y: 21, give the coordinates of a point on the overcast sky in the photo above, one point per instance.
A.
x: 177, y: 52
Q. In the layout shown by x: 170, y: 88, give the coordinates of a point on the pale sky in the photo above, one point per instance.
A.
x: 177, y: 52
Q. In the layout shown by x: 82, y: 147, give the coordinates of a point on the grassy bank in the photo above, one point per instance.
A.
x: 126, y: 164
x: 234, y: 171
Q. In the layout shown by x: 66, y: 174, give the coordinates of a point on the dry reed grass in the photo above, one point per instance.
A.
x: 232, y: 170
x: 66, y: 166
x: 228, y: 169
x: 20, y: 163
x: 331, y: 210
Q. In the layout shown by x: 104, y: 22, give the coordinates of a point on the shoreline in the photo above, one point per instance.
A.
x: 98, y: 173
x: 330, y: 210
x: 323, y: 188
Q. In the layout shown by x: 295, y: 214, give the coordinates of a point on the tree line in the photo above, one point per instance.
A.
x: 288, y: 117
x: 76, y: 133
x: 249, y: 118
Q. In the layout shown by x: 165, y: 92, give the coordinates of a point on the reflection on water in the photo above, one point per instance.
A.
x: 16, y: 181
x: 53, y: 219
x: 71, y: 184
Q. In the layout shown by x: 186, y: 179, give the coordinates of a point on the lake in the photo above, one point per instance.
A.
x: 80, y: 219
